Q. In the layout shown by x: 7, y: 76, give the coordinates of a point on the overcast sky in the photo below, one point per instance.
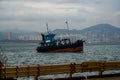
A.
x: 34, y: 14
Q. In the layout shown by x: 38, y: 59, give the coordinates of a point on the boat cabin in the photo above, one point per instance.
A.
x: 48, y: 39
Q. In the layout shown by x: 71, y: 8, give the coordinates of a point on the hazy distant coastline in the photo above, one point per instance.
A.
x: 100, y: 33
x: 18, y: 41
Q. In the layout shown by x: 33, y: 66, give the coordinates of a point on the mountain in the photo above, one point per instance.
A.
x: 65, y: 31
x: 102, y: 28
x: 59, y: 31
x: 100, y: 33
x: 93, y: 34
x: 94, y: 29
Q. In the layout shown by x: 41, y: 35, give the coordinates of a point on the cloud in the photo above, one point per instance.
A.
x: 80, y: 13
x: 68, y: 1
x: 116, y: 13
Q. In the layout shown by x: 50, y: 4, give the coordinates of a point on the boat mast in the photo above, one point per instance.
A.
x: 47, y: 27
x: 68, y: 28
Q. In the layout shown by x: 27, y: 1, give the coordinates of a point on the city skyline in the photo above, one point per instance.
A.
x: 94, y: 34
x: 33, y: 15
x: 89, y: 37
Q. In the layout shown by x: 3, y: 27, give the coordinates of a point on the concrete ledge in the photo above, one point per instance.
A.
x: 95, y: 77
x: 8, y: 79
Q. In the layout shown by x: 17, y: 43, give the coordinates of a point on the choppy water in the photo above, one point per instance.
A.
x: 25, y: 54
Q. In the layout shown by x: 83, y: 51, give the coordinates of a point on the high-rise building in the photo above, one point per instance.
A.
x: 9, y: 35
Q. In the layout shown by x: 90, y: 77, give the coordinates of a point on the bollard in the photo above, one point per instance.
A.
x: 35, y: 77
x: 1, y: 65
x: 72, y: 69
x: 38, y: 73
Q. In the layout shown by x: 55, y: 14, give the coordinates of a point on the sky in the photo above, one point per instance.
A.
x: 33, y: 15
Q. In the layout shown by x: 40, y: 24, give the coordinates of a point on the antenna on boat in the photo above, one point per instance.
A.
x: 68, y: 28
x: 47, y: 27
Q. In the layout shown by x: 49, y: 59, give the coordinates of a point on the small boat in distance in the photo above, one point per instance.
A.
x: 50, y: 44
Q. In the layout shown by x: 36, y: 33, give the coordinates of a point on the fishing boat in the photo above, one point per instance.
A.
x: 50, y: 44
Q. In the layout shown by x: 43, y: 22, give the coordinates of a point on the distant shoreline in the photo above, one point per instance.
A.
x: 37, y: 41
x: 104, y: 43
x: 19, y: 41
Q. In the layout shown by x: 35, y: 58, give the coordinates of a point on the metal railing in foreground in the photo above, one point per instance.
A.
x: 51, y: 69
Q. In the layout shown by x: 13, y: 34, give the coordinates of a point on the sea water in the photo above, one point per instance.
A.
x: 26, y: 54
